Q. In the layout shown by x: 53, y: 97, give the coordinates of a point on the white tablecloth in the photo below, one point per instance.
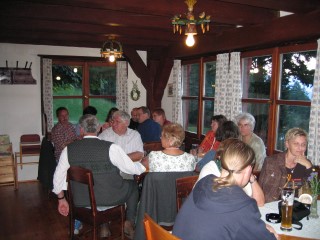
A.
x: 311, y: 227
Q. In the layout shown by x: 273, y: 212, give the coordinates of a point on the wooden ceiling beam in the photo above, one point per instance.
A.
x: 294, y: 6
x: 132, y: 13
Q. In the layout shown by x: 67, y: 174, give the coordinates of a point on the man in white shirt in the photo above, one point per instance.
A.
x: 90, y: 152
x: 129, y: 140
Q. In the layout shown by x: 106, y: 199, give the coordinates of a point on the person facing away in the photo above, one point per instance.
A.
x: 63, y: 132
x: 293, y: 161
x: 227, y: 129
x: 159, y: 116
x: 87, y: 110
x: 171, y: 158
x: 105, y: 160
x: 246, y: 124
x: 134, y: 120
x: 149, y: 130
x: 218, y: 208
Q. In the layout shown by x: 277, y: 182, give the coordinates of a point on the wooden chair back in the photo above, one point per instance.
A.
x: 91, y: 215
x: 152, y: 146
x: 30, y: 144
x: 183, y: 188
x: 156, y: 232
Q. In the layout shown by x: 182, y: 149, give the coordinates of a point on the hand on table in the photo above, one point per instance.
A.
x: 270, y: 229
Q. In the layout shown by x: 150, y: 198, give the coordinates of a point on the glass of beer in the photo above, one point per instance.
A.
x: 287, y: 196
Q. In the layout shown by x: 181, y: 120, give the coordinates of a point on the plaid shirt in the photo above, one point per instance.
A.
x: 62, y: 135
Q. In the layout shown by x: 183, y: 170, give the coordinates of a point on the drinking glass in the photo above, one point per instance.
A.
x: 195, y: 150
x: 287, y: 196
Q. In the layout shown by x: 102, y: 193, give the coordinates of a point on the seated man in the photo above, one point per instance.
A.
x: 134, y: 121
x: 90, y: 152
x: 63, y: 132
x: 129, y: 140
x: 149, y: 130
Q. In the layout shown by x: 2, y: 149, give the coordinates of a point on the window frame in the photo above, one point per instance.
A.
x: 274, y: 100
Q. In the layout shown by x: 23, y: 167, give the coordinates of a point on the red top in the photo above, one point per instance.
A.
x: 209, y: 142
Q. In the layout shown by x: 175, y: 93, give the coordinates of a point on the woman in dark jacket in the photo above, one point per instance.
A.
x: 218, y: 208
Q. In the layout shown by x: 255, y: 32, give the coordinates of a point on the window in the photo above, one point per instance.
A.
x: 198, y: 94
x: 277, y: 87
x: 190, y: 76
x: 278, y: 95
x: 81, y: 83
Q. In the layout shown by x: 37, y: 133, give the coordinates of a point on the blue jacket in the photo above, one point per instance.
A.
x: 227, y: 213
x: 150, y: 131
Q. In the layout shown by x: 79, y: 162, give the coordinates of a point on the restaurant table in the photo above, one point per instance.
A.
x: 310, y: 229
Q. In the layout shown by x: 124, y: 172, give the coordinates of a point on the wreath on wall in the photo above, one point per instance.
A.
x: 135, y: 93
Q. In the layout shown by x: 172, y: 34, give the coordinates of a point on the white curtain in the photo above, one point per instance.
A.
x: 122, y: 86
x: 314, y: 123
x: 228, y: 85
x: 47, y: 91
x: 177, y: 92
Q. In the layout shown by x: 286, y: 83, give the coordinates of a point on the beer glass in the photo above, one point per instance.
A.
x: 287, y: 196
x: 195, y: 151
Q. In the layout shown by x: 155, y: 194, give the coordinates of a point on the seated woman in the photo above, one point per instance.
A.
x: 226, y: 130
x: 171, y: 158
x: 252, y: 188
x: 108, y: 121
x: 293, y: 161
x: 218, y: 208
x: 246, y: 123
x: 210, y: 142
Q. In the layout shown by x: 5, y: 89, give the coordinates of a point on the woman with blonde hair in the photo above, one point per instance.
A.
x: 293, y: 161
x: 171, y: 158
x: 218, y: 208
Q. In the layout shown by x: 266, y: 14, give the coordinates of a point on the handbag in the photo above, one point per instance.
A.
x: 299, y: 211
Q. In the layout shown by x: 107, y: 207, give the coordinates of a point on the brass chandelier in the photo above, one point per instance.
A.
x: 190, y: 23
x: 111, y: 49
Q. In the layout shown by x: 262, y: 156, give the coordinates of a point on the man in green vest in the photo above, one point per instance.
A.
x: 105, y: 160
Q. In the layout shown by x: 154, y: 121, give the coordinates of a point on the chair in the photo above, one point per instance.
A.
x: 158, y: 199
x: 91, y: 215
x: 183, y: 188
x: 30, y: 145
x: 156, y: 232
x: 152, y: 146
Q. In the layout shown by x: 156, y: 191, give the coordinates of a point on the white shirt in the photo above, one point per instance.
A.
x: 129, y: 142
x: 117, y: 157
x: 162, y: 162
x: 212, y: 168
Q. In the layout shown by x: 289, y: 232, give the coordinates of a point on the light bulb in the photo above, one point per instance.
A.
x: 75, y: 70
x: 112, y: 58
x: 190, y: 40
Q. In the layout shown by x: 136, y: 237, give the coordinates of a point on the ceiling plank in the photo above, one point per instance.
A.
x: 294, y: 6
